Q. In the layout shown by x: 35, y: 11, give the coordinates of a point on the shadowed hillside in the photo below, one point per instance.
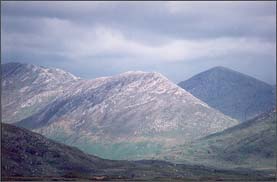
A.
x: 235, y: 94
x: 251, y: 144
x: 30, y: 156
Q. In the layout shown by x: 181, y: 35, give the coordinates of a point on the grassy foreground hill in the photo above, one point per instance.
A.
x: 251, y: 144
x: 30, y: 156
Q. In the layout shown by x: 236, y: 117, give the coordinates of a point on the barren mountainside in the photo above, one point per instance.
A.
x: 125, y: 116
x: 235, y: 94
x: 28, y: 88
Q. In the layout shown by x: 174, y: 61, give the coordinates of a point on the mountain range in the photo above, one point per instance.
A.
x: 235, y: 94
x: 133, y: 116
x: 126, y: 116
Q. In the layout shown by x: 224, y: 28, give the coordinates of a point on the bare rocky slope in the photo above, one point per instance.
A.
x: 126, y: 116
x: 28, y: 88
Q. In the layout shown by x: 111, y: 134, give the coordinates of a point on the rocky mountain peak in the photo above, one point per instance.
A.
x: 42, y: 73
x: 235, y: 94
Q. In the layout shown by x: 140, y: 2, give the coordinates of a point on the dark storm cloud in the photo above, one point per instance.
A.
x: 141, y: 35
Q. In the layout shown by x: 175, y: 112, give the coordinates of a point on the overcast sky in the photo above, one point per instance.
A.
x: 177, y: 39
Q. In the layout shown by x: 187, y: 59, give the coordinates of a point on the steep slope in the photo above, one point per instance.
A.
x: 234, y: 94
x: 126, y: 116
x: 250, y: 144
x: 25, y: 153
x: 27, y: 88
x: 29, y: 156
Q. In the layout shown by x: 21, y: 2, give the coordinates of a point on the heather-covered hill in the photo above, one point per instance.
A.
x: 251, y: 144
x: 26, y: 155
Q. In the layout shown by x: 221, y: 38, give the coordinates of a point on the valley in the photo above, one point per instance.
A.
x: 32, y: 157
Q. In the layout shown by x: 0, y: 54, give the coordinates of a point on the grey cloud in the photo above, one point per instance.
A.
x: 150, y: 36
x: 194, y: 20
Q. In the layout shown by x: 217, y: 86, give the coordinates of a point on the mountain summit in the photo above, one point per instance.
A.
x: 235, y: 94
x: 27, y: 88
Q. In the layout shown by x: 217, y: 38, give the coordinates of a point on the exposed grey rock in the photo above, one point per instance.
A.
x: 28, y: 88
x: 123, y: 117
x: 234, y: 94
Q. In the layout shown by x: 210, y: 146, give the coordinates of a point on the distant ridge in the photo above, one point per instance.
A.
x: 235, y: 94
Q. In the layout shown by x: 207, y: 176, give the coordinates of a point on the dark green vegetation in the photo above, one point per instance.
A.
x: 30, y: 156
x: 235, y: 94
x: 251, y: 144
